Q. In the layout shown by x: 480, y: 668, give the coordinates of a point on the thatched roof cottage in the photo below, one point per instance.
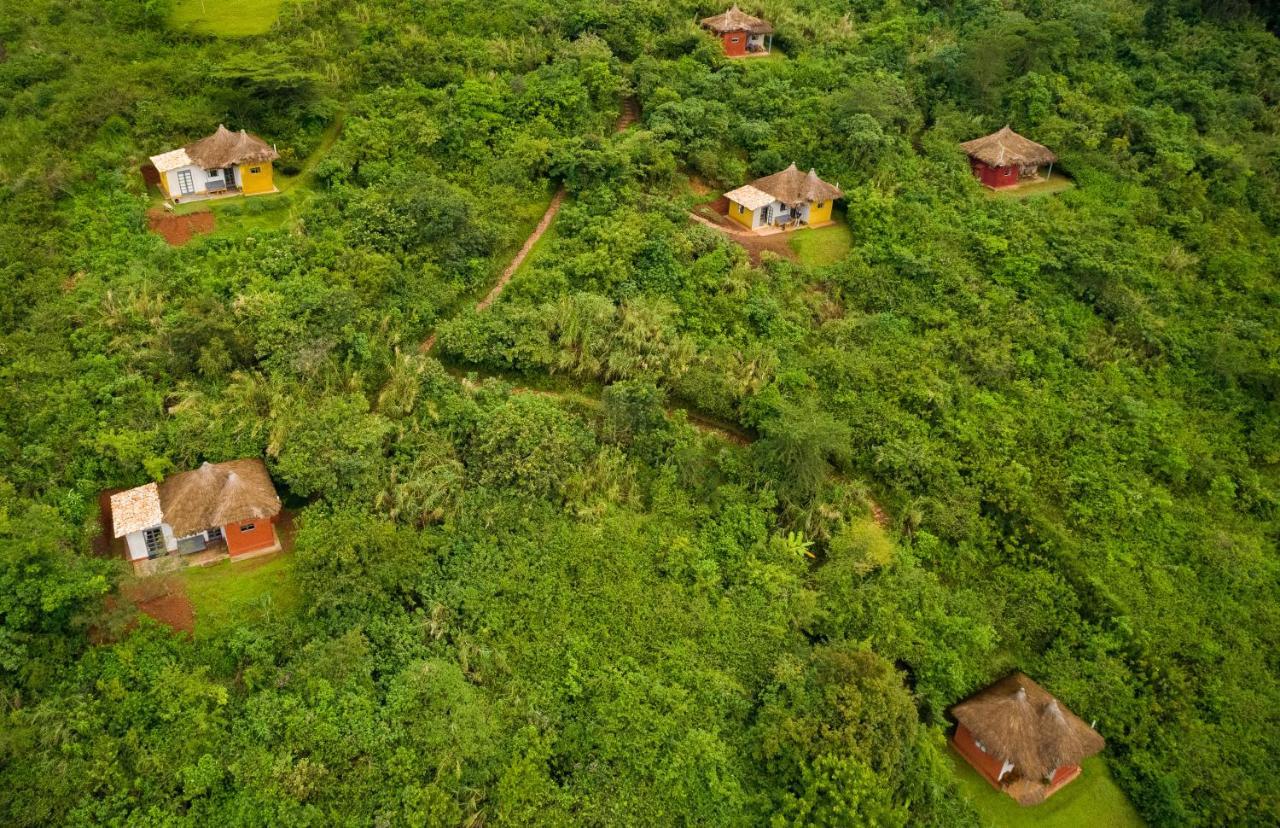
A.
x: 741, y: 34
x: 224, y: 163
x: 1005, y: 158
x: 233, y: 503
x: 785, y: 200
x: 1021, y: 739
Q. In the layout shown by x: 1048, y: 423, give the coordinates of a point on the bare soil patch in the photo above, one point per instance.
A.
x: 178, y: 230
x: 754, y: 245
x: 164, y: 599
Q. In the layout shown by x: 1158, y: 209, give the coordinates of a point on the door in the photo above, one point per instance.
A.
x: 766, y: 215
x: 185, y: 185
x: 230, y: 175
x: 153, y: 539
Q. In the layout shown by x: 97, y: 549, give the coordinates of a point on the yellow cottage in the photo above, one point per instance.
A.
x: 786, y: 200
x: 224, y: 163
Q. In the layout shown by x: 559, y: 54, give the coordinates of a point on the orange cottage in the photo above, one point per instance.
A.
x: 1021, y: 739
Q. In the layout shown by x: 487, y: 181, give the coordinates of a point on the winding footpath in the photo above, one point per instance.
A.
x: 629, y: 115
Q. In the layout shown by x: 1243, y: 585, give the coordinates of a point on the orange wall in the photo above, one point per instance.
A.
x: 240, y: 540
x: 986, y: 764
x: 735, y: 49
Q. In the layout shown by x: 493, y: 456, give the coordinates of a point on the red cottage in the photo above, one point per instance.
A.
x: 1021, y: 739
x: 741, y: 34
x: 1005, y: 158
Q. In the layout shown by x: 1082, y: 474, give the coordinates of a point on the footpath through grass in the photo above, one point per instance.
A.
x: 231, y: 593
x: 1093, y: 800
x: 225, y: 18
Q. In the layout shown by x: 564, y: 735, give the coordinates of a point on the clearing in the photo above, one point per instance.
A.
x: 819, y: 246
x: 1054, y: 183
x: 244, y: 215
x: 1093, y: 799
x: 225, y: 18
x: 177, y: 229
x: 232, y: 593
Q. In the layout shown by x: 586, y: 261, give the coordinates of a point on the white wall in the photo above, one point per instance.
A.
x: 776, y: 207
x: 198, y: 179
x: 137, y: 547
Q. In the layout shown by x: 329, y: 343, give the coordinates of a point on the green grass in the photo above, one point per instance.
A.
x: 1092, y: 800
x: 1055, y: 183
x: 225, y: 18
x: 231, y: 593
x: 822, y: 245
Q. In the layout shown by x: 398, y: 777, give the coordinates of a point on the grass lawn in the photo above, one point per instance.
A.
x: 822, y: 245
x: 233, y: 592
x: 225, y: 18
x: 1055, y: 183
x: 1092, y: 800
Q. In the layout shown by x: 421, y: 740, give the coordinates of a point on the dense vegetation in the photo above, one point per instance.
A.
x: 527, y: 608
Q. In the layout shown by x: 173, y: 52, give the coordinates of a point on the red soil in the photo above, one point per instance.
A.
x: 178, y: 230
x: 164, y: 599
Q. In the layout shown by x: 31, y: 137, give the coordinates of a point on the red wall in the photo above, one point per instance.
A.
x: 986, y: 764
x: 994, y: 176
x: 1063, y: 775
x: 734, y: 49
x: 240, y: 540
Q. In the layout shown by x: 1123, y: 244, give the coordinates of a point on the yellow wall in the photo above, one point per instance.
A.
x: 819, y: 212
x: 741, y: 214
x: 260, y: 182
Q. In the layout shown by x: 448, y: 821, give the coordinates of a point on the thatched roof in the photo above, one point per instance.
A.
x: 224, y: 148
x: 736, y: 20
x: 217, y: 494
x: 135, y: 509
x: 791, y: 186
x: 1018, y: 721
x: 1007, y: 148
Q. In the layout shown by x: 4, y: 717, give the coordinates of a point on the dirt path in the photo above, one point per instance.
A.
x: 752, y: 243
x: 543, y: 223
x: 629, y: 115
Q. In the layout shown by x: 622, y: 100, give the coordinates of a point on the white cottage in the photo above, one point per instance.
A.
x: 224, y: 163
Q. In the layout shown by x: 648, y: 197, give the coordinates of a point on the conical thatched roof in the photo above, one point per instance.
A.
x: 1018, y: 721
x: 1007, y: 148
x: 224, y: 148
x: 791, y: 185
x: 217, y: 494
x: 736, y: 20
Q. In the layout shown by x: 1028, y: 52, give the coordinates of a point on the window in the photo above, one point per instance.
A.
x: 185, y: 185
x: 733, y: 40
x: 153, y: 540
x: 215, y: 534
x: 246, y: 527
x: 741, y: 209
x: 255, y: 170
x: 820, y: 204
